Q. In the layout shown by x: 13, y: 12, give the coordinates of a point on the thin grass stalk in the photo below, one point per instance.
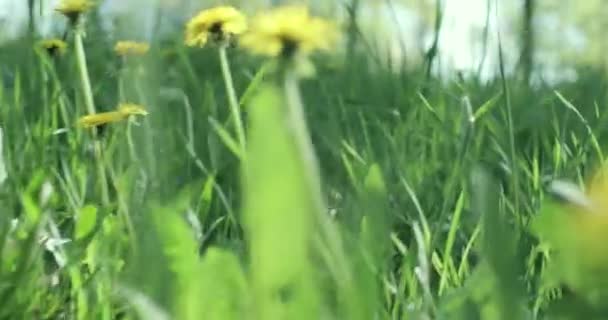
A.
x: 90, y: 105
x: 232, y: 98
x: 297, y: 122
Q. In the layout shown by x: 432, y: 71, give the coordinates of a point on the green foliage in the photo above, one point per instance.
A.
x: 278, y: 215
x: 436, y: 191
x: 577, y: 261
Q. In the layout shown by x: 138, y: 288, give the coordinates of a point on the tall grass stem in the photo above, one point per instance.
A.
x: 90, y: 105
x: 296, y: 119
x: 232, y: 98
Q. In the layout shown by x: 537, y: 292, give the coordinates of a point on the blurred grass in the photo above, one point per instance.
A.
x: 431, y: 186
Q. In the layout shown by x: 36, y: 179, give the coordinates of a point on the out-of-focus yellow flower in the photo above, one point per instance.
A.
x: 131, y: 48
x: 287, y: 31
x: 591, y: 222
x: 218, y: 24
x: 123, y: 112
x: 130, y: 109
x: 73, y: 8
x: 54, y: 46
x: 577, y: 234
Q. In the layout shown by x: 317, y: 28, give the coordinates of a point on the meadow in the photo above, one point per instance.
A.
x: 286, y: 170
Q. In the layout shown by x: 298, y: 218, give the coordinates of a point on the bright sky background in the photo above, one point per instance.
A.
x: 460, y: 42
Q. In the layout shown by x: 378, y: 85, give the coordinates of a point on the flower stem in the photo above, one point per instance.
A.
x: 84, y: 72
x: 297, y: 122
x: 90, y: 105
x: 232, y: 99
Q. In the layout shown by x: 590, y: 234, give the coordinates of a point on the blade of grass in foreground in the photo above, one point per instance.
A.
x: 279, y: 213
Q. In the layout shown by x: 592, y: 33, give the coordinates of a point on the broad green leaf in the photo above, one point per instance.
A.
x: 179, y: 245
x: 179, y: 248
x: 278, y: 215
x: 498, y: 247
x: 221, y: 288
x: 374, y: 242
x: 86, y: 221
x: 376, y: 233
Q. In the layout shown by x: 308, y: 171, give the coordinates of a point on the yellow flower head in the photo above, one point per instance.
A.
x: 591, y: 219
x: 287, y: 31
x: 219, y: 24
x: 123, y: 111
x: 54, y: 46
x: 73, y: 8
x: 576, y: 234
x: 131, y: 109
x: 131, y: 48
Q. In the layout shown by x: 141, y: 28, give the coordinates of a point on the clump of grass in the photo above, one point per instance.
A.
x: 294, y: 188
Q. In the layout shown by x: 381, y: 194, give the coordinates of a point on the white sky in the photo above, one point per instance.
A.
x: 460, y: 42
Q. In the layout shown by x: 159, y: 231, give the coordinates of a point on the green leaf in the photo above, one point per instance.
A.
x: 221, y: 288
x: 206, y: 198
x: 226, y: 138
x: 278, y: 215
x: 178, y: 241
x: 374, y: 183
x: 3, y: 173
x: 32, y: 211
x: 85, y: 222
x: 255, y: 83
x: 487, y: 106
x: 498, y: 247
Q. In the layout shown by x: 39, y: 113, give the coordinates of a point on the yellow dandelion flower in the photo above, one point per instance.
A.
x: 73, y: 8
x: 591, y: 220
x: 123, y: 112
x: 218, y: 24
x: 289, y: 30
x: 131, y: 109
x: 54, y: 46
x: 577, y: 234
x: 131, y: 48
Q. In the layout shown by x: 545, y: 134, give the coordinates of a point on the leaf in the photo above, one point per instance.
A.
x: 143, y: 305
x: 3, y: 173
x: 376, y: 234
x: 206, y: 198
x: 498, y: 247
x: 32, y: 211
x: 487, y: 106
x: 226, y: 138
x: 278, y: 213
x: 85, y: 222
x: 178, y: 241
x: 221, y: 288
x: 255, y: 83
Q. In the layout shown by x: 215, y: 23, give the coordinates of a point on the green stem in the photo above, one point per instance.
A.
x: 123, y: 77
x: 90, y: 105
x: 232, y: 99
x: 297, y: 122
x: 84, y: 72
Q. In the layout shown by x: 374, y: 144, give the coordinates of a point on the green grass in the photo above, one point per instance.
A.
x: 430, y: 188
